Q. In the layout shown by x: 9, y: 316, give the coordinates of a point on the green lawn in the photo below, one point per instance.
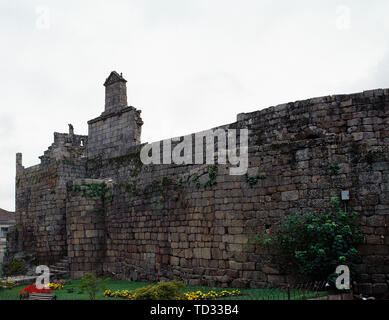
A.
x: 76, y: 294
x: 73, y: 285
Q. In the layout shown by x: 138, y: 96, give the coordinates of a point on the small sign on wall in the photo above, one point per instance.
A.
x: 345, y: 195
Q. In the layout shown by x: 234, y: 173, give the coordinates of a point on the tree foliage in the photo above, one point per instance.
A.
x: 319, y: 241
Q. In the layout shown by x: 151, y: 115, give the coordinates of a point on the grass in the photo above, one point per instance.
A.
x: 73, y: 285
x: 71, y: 291
x: 262, y: 294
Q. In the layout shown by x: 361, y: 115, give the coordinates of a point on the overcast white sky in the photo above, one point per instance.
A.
x: 190, y: 64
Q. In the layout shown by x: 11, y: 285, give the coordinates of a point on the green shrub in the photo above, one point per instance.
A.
x: 16, y: 268
x: 161, y: 291
x: 319, y: 241
x: 335, y: 167
x: 91, y: 284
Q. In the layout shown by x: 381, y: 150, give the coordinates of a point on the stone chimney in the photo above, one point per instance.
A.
x: 115, y: 93
x: 118, y: 129
x: 19, y: 163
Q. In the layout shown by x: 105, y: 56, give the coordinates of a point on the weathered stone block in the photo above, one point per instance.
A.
x: 91, y: 233
x: 290, y: 195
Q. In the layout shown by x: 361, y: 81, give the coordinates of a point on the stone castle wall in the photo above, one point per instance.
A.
x: 161, y: 228
x: 40, y: 212
x: 41, y: 197
x: 162, y: 223
x: 85, y: 222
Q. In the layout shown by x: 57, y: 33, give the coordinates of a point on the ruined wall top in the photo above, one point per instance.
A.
x: 66, y: 146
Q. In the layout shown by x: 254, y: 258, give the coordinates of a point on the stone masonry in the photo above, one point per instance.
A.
x: 155, y: 222
x: 118, y: 128
x: 7, y: 220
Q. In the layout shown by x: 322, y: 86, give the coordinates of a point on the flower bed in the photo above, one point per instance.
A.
x: 24, y: 293
x: 199, y: 295
x: 196, y: 295
x: 57, y: 284
x: 7, y: 284
x: 119, y: 294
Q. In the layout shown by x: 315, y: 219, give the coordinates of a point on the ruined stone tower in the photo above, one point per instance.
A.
x: 118, y: 128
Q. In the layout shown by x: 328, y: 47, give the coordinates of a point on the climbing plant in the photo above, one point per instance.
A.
x: 335, y: 167
x: 253, y: 180
x: 96, y: 191
x: 212, y: 173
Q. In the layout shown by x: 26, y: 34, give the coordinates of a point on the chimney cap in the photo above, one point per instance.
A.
x: 113, y: 78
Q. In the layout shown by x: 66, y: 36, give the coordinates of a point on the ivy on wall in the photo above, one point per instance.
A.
x: 334, y: 167
x: 212, y: 172
x: 96, y: 191
x: 253, y: 180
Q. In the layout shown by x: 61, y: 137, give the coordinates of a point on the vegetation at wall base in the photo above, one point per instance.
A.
x: 16, y: 268
x: 160, y: 291
x: 72, y: 291
x: 318, y: 241
x: 92, y: 285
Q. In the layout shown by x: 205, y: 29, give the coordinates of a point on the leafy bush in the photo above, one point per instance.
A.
x: 91, y: 284
x: 16, y: 268
x: 161, y: 291
x: 319, y: 241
